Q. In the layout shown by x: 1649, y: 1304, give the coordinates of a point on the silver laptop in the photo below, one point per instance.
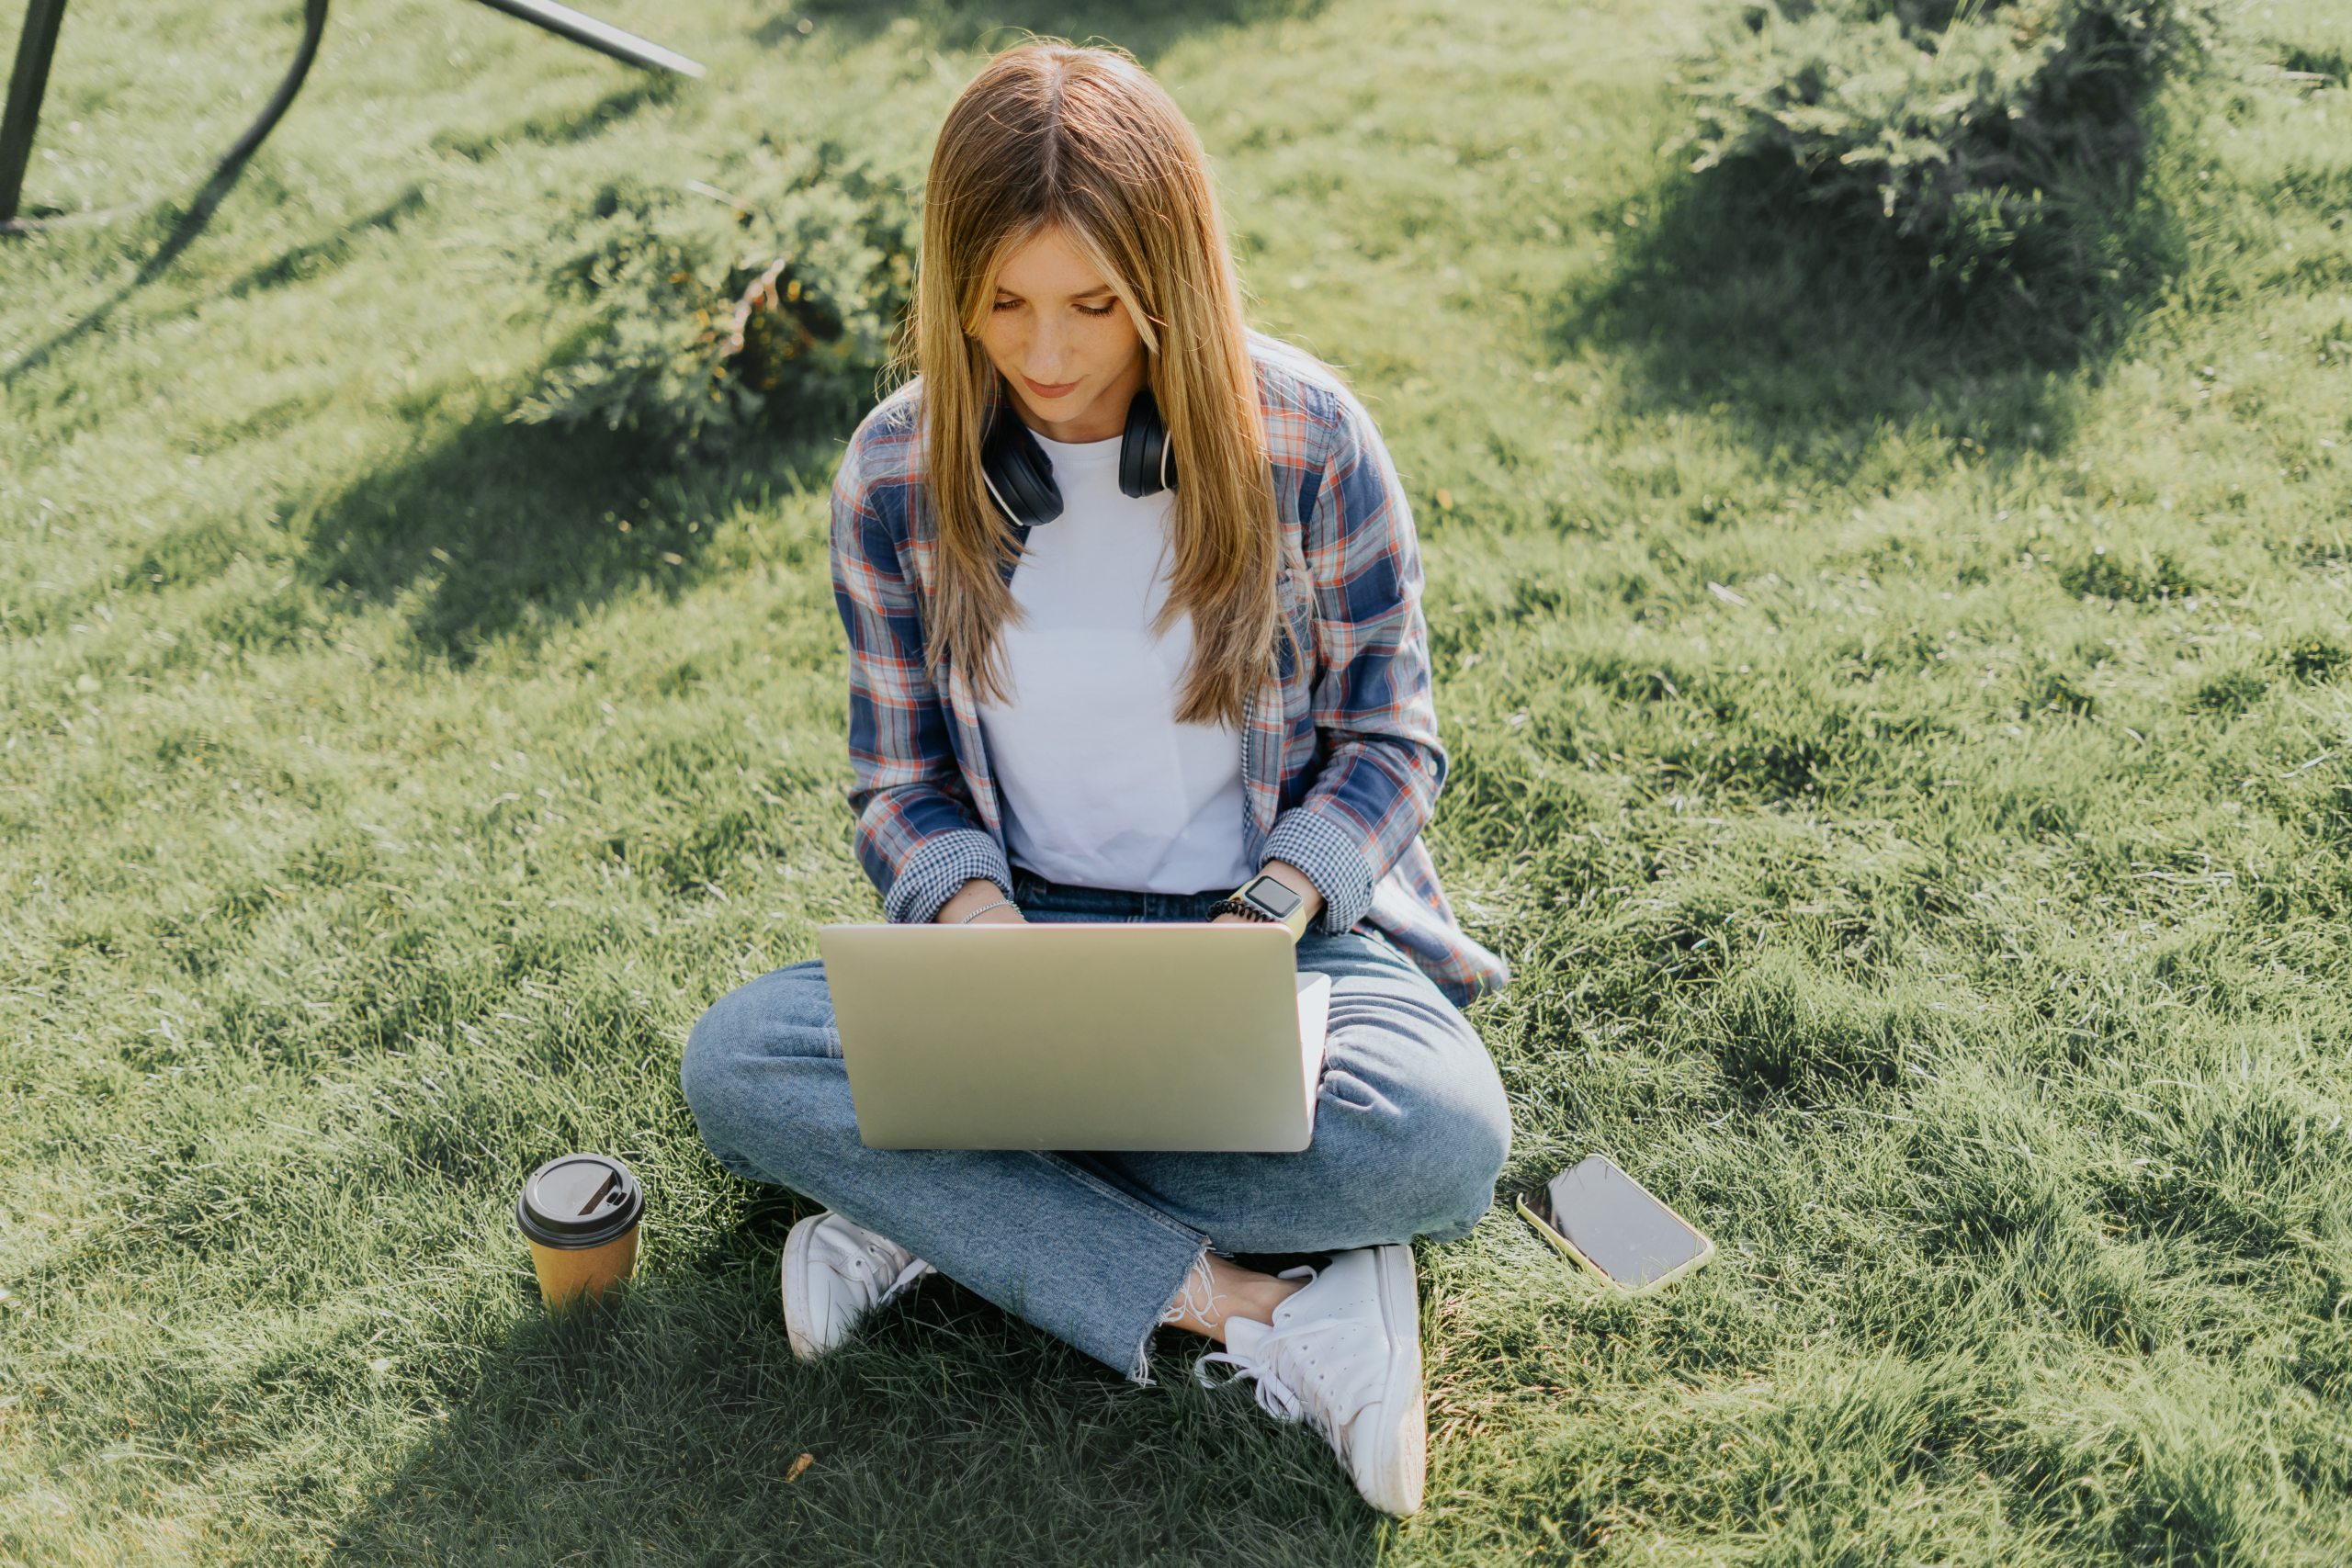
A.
x: 1127, y: 1036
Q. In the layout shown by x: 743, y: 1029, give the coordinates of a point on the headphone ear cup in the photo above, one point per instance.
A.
x: 1019, y: 475
x: 1145, y: 467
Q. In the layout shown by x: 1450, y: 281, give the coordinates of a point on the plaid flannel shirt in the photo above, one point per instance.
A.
x: 1340, y: 755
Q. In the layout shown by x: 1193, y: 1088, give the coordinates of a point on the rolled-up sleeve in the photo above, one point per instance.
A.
x: 1374, y: 708
x: 918, y: 837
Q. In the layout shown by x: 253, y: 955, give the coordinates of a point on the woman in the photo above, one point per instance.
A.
x: 1210, y: 665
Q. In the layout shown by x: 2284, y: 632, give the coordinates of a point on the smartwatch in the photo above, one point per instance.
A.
x: 1265, y: 899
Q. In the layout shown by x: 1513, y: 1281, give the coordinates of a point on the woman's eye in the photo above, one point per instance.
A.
x: 1104, y: 309
x: 1005, y: 305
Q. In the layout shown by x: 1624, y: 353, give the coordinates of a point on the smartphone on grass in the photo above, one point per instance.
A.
x: 1607, y: 1222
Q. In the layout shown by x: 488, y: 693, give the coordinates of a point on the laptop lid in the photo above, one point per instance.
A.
x: 1077, y: 1036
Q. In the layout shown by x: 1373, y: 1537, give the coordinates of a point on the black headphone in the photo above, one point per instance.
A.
x: 1021, y: 477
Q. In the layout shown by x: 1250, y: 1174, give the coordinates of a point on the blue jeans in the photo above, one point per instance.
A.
x: 1410, y: 1131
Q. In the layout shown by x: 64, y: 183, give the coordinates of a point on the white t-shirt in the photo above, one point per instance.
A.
x: 1102, y: 786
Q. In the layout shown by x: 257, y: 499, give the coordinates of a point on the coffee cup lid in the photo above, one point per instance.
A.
x: 580, y: 1201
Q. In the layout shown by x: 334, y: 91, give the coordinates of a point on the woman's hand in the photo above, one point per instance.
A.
x: 1290, y: 876
x: 978, y: 895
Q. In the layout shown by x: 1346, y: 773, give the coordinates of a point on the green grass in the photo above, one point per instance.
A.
x: 1906, y: 757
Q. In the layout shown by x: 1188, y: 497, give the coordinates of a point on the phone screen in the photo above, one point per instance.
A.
x: 1627, y: 1234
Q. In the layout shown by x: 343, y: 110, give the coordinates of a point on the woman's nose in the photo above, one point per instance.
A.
x: 1050, y: 356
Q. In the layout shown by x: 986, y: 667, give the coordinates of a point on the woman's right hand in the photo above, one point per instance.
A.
x: 978, y: 895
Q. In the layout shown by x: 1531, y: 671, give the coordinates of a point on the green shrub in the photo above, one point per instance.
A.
x: 1977, y: 136
x: 720, y: 314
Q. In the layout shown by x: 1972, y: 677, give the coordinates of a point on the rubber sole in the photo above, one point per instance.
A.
x: 1392, y: 1474
x: 792, y: 1288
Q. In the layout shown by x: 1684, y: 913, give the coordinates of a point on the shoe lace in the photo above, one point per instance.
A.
x: 915, y: 1269
x: 868, y: 1261
x: 1275, y: 1397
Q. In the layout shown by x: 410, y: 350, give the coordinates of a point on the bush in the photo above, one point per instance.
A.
x: 723, y: 313
x: 1981, y: 137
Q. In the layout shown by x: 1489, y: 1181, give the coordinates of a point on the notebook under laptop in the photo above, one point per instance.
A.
x: 1078, y: 1036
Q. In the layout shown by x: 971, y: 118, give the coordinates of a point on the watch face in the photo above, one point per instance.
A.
x: 1272, y: 897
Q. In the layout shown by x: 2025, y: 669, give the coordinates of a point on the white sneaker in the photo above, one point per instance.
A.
x: 834, y: 1273
x: 1346, y: 1353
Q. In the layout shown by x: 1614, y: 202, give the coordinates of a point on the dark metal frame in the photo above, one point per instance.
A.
x: 37, y: 46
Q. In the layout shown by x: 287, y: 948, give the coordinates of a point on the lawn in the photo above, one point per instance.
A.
x: 1906, y: 757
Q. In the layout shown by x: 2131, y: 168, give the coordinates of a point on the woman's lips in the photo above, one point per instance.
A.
x: 1040, y: 389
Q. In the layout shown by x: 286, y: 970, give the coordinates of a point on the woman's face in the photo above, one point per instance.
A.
x: 1063, y: 342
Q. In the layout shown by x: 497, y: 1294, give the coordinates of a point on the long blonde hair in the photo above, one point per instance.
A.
x: 1084, y: 139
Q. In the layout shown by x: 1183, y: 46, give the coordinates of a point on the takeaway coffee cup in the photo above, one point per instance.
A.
x: 579, y: 1215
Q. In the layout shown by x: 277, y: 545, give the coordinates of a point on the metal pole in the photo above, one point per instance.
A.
x: 26, y: 84
x: 599, y: 36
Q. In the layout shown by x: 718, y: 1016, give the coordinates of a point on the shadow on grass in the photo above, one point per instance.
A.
x: 314, y: 259
x: 502, y: 525
x: 172, y: 234
x: 557, y: 127
x: 1815, y: 332
x: 1146, y: 29
x: 665, y: 1427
